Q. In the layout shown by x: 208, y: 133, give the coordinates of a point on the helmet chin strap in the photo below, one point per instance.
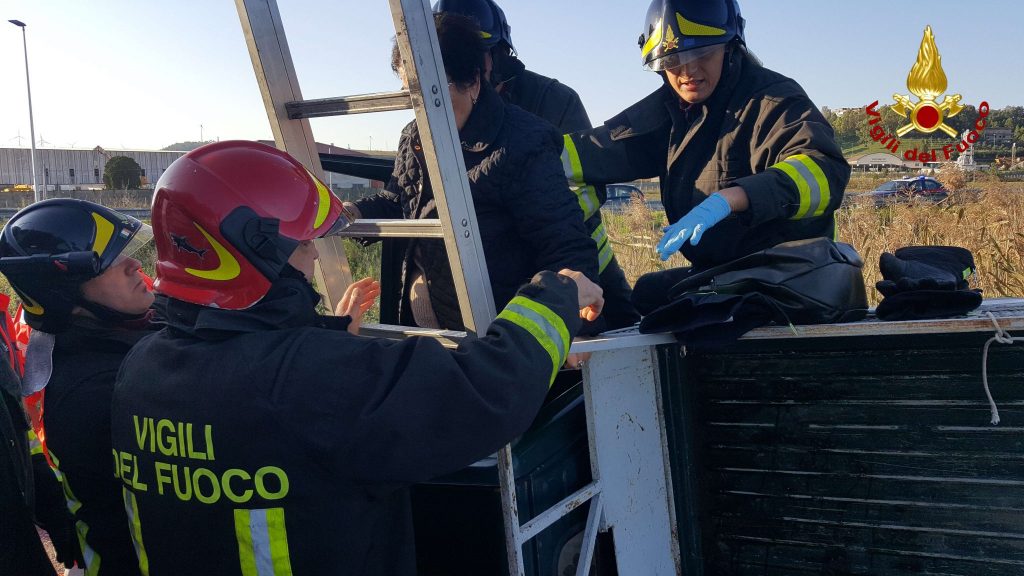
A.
x: 108, y: 315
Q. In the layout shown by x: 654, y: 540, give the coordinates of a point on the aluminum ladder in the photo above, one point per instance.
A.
x: 428, y: 96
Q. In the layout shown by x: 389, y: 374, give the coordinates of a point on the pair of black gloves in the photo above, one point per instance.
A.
x: 923, y: 282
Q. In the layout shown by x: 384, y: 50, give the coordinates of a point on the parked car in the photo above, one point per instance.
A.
x: 620, y: 196
x: 916, y: 188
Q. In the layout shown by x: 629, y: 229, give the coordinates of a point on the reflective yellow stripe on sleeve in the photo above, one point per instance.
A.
x: 131, y: 507
x: 604, y: 248
x: 811, y: 183
x: 587, y: 197
x: 544, y: 325
x: 571, y: 161
x: 89, y: 556
x: 262, y: 542
x: 34, y: 445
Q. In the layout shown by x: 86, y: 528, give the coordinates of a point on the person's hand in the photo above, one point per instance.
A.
x: 693, y: 225
x: 359, y: 297
x: 576, y: 360
x: 590, y: 296
x: 352, y: 210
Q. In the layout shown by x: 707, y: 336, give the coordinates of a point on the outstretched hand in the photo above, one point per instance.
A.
x: 359, y: 297
x: 693, y: 225
x: 589, y: 295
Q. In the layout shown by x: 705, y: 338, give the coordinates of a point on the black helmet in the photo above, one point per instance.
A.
x: 49, y: 249
x: 493, y: 27
x: 679, y: 31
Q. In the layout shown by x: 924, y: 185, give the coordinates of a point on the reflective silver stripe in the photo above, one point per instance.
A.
x: 600, y: 235
x: 604, y: 257
x: 588, y: 200
x: 542, y: 323
x: 549, y: 330
x: 566, y: 164
x: 131, y: 507
x: 262, y: 542
x: 812, y: 184
x: 89, y: 556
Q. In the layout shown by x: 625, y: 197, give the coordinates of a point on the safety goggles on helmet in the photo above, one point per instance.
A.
x: 680, y: 59
x: 49, y: 249
x: 676, y: 29
x: 227, y: 216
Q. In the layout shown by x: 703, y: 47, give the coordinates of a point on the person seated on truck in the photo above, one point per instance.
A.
x: 751, y: 161
x: 528, y: 218
x: 71, y: 263
x: 253, y: 435
x: 561, y: 106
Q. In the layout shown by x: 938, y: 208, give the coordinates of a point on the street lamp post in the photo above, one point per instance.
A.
x: 31, y: 123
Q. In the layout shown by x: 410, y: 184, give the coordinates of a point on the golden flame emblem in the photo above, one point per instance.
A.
x: 927, y: 81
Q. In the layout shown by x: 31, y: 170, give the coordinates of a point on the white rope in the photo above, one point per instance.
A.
x: 1002, y: 337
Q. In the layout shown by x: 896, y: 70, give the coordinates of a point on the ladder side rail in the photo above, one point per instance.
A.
x: 442, y: 150
x: 275, y: 74
x: 510, y: 513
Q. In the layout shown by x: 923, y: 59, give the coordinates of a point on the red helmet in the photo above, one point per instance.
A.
x: 226, y: 218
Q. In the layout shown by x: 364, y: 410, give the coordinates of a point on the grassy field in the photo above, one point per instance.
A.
x: 986, y: 217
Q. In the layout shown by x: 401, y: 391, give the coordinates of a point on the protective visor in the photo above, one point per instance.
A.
x: 345, y: 219
x: 680, y: 59
x: 142, y: 237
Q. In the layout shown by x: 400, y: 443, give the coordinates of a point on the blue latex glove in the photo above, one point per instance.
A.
x: 693, y: 225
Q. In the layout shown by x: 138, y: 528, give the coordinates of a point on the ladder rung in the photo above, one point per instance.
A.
x: 370, y: 228
x: 344, y: 105
x: 558, y: 511
x: 447, y: 338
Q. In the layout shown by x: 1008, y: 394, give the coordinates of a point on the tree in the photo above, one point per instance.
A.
x: 122, y: 173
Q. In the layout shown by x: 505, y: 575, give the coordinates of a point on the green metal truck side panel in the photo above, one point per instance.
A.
x: 869, y: 455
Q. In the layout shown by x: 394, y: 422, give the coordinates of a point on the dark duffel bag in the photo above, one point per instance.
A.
x: 815, y: 281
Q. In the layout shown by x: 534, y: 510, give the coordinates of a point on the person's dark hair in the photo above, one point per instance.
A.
x: 462, y: 47
x: 396, y: 56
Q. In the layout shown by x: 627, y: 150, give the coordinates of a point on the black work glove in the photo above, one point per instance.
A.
x: 924, y: 304
x: 923, y: 282
x: 908, y: 275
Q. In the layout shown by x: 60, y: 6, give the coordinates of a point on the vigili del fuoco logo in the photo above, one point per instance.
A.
x: 927, y: 81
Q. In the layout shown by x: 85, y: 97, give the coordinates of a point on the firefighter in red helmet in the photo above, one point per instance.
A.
x: 253, y: 436
x: 751, y: 162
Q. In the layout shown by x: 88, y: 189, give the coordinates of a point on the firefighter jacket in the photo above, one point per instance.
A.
x: 758, y: 130
x: 76, y: 416
x: 528, y: 219
x: 21, y: 551
x: 271, y: 441
x: 561, y: 106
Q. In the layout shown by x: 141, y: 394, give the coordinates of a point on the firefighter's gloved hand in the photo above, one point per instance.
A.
x: 693, y: 225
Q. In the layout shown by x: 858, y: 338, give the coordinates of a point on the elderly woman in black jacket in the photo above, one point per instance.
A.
x: 528, y: 218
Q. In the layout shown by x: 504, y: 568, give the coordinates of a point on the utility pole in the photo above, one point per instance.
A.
x: 31, y: 123
x: 200, y: 133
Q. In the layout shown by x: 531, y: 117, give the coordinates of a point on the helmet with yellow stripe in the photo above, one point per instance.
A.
x: 677, y: 32
x: 49, y: 249
x: 227, y: 216
x: 494, y: 28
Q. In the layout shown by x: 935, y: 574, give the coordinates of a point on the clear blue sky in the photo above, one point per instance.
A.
x: 144, y: 74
